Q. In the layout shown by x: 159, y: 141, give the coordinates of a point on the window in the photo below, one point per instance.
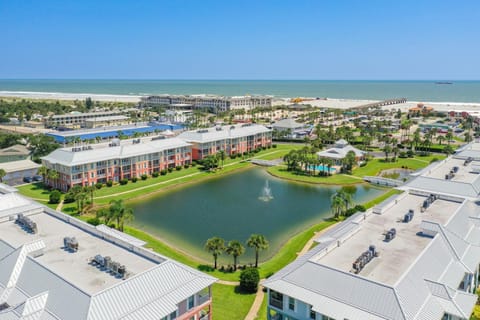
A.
x: 173, y: 315
x: 276, y: 299
x: 191, y: 302
x: 311, y: 313
x: 291, y: 304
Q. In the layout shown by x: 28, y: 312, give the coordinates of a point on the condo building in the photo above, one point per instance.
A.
x: 78, y: 119
x: 232, y: 139
x: 54, y: 266
x: 414, y: 256
x: 212, y: 102
x: 87, y: 165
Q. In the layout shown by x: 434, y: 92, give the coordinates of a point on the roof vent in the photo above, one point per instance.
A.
x: 427, y: 202
x: 26, y: 223
x: 469, y: 159
x: 390, y: 235
x: 107, y: 264
x: 70, y: 243
x: 408, y: 216
x: 364, y: 258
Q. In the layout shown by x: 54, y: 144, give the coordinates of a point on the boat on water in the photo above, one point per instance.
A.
x: 443, y: 82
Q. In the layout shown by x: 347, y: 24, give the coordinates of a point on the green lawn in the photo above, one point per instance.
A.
x: 381, y: 198
x: 34, y: 190
x: 372, y: 168
x: 336, y: 179
x: 229, y: 303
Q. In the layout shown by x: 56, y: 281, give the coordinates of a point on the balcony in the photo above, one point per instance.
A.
x: 202, y: 299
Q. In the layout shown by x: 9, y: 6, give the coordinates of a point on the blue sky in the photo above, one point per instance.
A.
x: 258, y: 39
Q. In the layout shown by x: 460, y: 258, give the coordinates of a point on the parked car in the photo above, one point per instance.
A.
x: 27, y: 179
x: 38, y: 178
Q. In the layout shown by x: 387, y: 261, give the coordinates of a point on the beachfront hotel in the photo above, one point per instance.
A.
x: 212, y: 102
x: 54, y: 266
x: 233, y: 139
x: 87, y: 165
x: 414, y: 256
x: 78, y: 119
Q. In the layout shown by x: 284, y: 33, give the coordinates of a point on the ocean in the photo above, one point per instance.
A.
x: 458, y: 91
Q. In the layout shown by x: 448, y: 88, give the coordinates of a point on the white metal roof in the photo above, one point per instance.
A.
x: 222, y: 133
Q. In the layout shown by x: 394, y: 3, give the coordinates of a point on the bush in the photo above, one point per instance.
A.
x: 99, y: 186
x: 233, y: 156
x: 124, y: 181
x: 178, y: 168
x: 69, y: 198
x: 433, y: 160
x: 402, y: 154
x: 249, y: 279
x: 186, y: 166
x: 109, y: 183
x: 54, y: 197
x: 163, y: 172
x: 360, y: 208
x: 170, y: 170
x: 274, y: 145
x: 144, y: 177
x: 350, y: 212
x: 94, y: 221
x: 155, y: 174
x: 194, y: 163
x: 134, y: 179
x: 410, y: 153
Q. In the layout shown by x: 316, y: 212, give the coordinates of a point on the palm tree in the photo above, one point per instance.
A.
x: 80, y: 198
x: 3, y: 173
x: 449, y: 135
x: 53, y: 176
x: 338, y: 204
x: 90, y: 190
x: 440, y: 139
x: 215, y: 246
x: 222, y: 156
x: 120, y: 212
x: 235, y: 249
x: 43, y: 171
x: 259, y: 242
x: 387, y: 149
x: 346, y: 196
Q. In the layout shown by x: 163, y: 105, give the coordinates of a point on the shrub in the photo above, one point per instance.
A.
x: 69, y: 198
x: 144, y: 177
x: 109, y: 183
x: 170, y: 170
x: 249, y: 279
x: 360, y: 208
x: 194, y: 163
x: 274, y: 145
x: 54, y: 197
x: 186, y: 166
x: 124, y: 181
x: 94, y: 221
x: 155, y: 174
x: 433, y: 160
x: 134, y: 179
x: 410, y: 153
x: 163, y: 172
x: 402, y: 154
x: 233, y: 156
x: 350, y: 212
x: 178, y: 168
x: 99, y: 186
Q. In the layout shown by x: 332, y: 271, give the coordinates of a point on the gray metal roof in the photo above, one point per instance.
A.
x: 67, y: 157
x: 222, y: 133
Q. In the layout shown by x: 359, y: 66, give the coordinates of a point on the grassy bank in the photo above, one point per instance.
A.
x: 229, y: 303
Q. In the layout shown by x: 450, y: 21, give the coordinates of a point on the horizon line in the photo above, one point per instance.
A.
x: 230, y: 79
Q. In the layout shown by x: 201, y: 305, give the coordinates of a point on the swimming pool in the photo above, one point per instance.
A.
x: 322, y: 168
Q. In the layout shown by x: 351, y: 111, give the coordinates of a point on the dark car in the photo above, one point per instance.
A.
x: 38, y: 178
x: 27, y: 179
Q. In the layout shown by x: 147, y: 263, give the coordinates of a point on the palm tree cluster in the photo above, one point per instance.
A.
x: 340, y: 203
x: 80, y: 195
x: 216, y: 246
x: 306, y: 160
x: 117, y: 212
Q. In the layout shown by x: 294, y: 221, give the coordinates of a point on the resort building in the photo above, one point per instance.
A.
x: 233, y: 139
x: 120, y: 159
x: 339, y: 151
x: 414, y: 256
x: 16, y: 171
x: 211, y: 102
x: 107, y: 121
x: 77, y: 119
x: 54, y: 266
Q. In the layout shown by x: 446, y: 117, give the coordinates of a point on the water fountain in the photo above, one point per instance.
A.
x: 266, y: 194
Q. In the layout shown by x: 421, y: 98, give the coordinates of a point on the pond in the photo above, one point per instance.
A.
x: 235, y: 206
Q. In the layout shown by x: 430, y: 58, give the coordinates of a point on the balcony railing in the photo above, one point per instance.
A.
x: 202, y: 299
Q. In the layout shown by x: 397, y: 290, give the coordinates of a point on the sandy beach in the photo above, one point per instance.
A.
x: 321, y: 103
x: 69, y: 96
